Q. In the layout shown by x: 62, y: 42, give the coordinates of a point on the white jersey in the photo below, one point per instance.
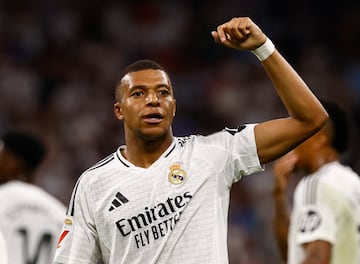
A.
x: 175, y: 211
x: 3, y: 250
x: 31, y: 221
x: 327, y: 207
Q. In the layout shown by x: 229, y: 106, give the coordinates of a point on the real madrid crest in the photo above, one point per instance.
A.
x: 176, y: 175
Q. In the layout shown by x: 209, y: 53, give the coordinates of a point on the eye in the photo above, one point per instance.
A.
x: 136, y: 93
x: 164, y: 92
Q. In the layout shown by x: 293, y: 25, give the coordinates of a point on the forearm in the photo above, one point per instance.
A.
x: 281, y: 224
x: 317, y: 252
x: 315, y: 260
x: 276, y: 137
x: 299, y: 101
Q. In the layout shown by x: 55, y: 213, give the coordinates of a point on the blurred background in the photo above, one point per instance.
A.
x: 60, y: 59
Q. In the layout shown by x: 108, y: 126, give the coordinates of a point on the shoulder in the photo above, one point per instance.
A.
x: 324, y: 184
x: 99, y: 168
x: 223, y: 136
x: 18, y: 192
x: 95, y: 173
x: 331, y: 174
x: 22, y: 189
x: 103, y: 164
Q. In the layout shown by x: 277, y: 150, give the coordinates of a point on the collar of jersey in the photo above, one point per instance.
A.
x: 127, y: 163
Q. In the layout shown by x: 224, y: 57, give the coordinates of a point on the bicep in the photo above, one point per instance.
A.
x: 276, y: 137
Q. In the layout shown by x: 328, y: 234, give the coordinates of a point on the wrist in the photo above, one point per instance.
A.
x: 265, y: 50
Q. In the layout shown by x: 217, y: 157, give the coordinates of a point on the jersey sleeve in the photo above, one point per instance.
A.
x: 244, y: 155
x: 78, y: 241
x: 233, y: 152
x: 317, y: 220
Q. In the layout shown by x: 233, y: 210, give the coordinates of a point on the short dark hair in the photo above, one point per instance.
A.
x: 139, y: 65
x: 340, y: 121
x: 25, y: 146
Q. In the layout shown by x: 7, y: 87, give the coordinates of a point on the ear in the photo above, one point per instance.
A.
x: 174, y: 108
x: 118, y: 111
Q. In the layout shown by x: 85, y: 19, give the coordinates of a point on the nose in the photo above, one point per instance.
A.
x: 152, y: 98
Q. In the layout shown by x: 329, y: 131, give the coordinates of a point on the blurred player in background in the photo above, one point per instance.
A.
x: 30, y: 218
x: 324, y: 226
x: 165, y: 199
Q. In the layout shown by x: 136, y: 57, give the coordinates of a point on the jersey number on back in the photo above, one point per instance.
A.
x: 43, y: 248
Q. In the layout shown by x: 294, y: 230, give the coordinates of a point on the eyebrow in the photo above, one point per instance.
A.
x: 142, y: 87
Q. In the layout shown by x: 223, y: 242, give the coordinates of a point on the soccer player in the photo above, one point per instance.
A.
x: 325, y: 219
x: 164, y: 199
x: 30, y: 218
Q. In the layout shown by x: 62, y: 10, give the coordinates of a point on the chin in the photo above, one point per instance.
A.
x: 154, y: 134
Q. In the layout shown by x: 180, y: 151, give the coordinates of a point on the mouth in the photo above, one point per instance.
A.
x: 154, y: 118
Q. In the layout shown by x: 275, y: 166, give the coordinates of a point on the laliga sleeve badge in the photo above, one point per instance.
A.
x: 177, y: 175
x: 66, y: 230
x: 67, y: 221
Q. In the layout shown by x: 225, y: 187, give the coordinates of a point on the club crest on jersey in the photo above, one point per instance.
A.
x: 176, y: 175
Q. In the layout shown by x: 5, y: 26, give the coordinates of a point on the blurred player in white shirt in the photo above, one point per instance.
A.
x: 164, y: 199
x: 324, y: 226
x: 30, y: 218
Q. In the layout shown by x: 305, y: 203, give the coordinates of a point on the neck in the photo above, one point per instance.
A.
x: 143, y: 153
x: 321, y: 158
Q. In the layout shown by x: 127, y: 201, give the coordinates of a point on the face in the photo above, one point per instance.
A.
x: 146, y: 105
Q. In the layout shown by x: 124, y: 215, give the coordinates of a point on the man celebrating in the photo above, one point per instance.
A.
x: 164, y: 199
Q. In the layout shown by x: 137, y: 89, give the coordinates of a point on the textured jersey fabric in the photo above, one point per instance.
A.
x: 175, y: 211
x: 327, y: 207
x: 3, y: 250
x: 31, y: 221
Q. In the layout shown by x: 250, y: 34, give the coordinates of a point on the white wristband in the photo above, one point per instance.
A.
x: 265, y: 50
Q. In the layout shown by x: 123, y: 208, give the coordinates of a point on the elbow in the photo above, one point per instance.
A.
x: 314, y: 124
x: 311, y: 117
x: 319, y: 121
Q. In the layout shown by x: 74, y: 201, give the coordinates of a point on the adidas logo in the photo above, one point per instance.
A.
x: 118, y: 201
